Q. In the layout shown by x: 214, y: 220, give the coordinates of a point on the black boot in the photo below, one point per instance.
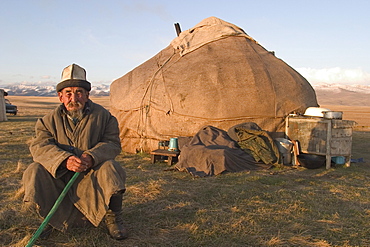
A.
x: 113, y: 218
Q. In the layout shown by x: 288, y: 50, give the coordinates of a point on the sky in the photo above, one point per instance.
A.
x: 327, y: 41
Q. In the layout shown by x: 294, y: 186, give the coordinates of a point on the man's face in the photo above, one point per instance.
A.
x: 73, y: 98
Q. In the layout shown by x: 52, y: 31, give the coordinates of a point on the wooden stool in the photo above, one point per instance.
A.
x: 156, y: 155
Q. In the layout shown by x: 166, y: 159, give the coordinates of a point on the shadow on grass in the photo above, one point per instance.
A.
x: 23, y: 118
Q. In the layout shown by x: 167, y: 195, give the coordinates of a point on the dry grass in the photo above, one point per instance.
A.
x: 286, y: 207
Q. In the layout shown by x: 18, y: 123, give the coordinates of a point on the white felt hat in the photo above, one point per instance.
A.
x: 73, y: 76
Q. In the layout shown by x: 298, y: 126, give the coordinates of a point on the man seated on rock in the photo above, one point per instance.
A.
x: 78, y: 136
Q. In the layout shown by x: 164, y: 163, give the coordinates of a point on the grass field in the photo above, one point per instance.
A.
x: 279, y: 207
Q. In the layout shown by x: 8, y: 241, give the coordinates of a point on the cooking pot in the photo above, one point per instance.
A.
x: 332, y: 114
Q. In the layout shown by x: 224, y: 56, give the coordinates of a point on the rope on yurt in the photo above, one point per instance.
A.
x: 145, y: 106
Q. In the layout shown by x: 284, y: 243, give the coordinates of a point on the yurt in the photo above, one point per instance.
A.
x: 212, y: 74
x: 2, y: 107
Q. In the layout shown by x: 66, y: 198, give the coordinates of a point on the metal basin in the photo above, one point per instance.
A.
x: 311, y: 161
x: 333, y: 114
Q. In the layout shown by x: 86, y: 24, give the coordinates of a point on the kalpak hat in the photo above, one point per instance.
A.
x: 73, y: 76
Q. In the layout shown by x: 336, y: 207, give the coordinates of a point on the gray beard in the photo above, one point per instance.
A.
x: 77, y: 114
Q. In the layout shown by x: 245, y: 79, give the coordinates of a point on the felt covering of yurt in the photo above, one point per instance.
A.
x: 212, y: 74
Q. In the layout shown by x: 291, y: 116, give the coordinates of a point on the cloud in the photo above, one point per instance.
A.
x: 336, y: 76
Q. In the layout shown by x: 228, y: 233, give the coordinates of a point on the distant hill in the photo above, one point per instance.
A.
x: 327, y: 94
x: 350, y: 95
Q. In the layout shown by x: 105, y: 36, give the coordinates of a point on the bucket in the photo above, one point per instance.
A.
x: 285, y: 149
x: 173, y: 145
x: 339, y: 160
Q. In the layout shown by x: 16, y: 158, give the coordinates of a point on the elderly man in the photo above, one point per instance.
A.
x: 78, y: 136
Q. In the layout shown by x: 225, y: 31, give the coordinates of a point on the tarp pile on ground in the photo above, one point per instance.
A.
x: 213, y: 151
x: 213, y: 74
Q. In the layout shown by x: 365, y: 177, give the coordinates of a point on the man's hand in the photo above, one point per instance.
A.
x: 87, y: 159
x: 76, y: 164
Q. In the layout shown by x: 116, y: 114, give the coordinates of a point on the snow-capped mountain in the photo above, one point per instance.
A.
x: 103, y: 89
x: 339, y: 94
x: 340, y: 87
x: 38, y: 90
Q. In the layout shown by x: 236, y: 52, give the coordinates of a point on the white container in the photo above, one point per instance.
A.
x: 285, y: 149
x: 315, y: 111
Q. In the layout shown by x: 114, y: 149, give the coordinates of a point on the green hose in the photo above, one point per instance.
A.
x: 52, y: 210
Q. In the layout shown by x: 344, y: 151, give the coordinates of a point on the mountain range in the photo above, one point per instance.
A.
x: 337, y: 94
x: 47, y: 90
x: 327, y: 94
